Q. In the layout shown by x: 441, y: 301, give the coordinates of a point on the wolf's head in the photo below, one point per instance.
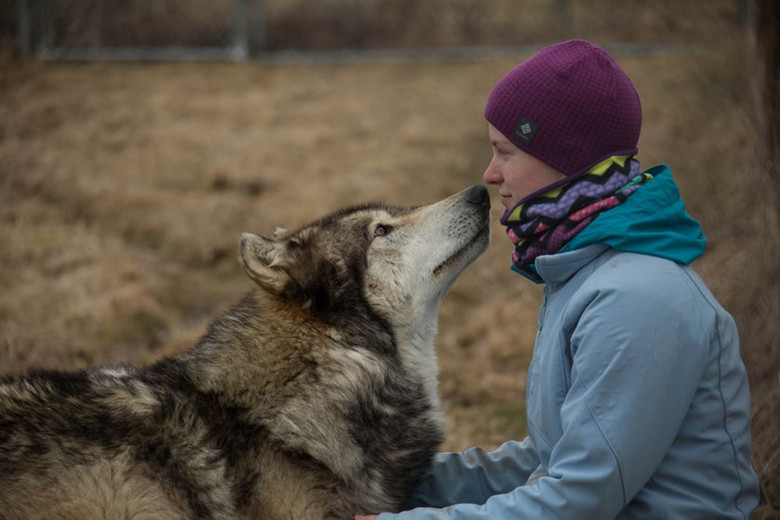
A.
x: 344, y: 328
x: 396, y: 263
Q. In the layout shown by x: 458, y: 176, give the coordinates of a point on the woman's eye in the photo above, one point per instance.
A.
x: 382, y: 230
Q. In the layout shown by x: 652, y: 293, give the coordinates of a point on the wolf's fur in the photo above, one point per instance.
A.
x: 313, y: 397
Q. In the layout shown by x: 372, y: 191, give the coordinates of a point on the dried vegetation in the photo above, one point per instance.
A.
x: 124, y: 189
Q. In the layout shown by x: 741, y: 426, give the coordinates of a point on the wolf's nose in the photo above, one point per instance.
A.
x: 478, y: 195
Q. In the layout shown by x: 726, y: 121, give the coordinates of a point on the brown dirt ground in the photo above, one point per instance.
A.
x: 124, y: 189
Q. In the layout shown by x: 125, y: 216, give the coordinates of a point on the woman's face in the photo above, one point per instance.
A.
x: 515, y: 172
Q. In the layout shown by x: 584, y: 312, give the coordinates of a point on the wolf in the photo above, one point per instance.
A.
x: 314, y: 397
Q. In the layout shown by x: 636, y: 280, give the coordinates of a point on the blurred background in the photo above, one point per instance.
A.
x: 139, y: 139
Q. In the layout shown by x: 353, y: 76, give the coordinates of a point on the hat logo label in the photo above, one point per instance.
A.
x: 525, y: 129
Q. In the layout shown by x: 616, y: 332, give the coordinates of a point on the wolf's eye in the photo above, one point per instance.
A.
x: 382, y: 230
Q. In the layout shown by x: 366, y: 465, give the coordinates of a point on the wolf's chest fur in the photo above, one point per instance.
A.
x: 326, y: 434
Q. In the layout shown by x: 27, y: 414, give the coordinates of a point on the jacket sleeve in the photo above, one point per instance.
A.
x: 636, y: 362
x: 475, y: 475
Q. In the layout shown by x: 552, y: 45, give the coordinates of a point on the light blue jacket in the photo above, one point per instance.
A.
x: 637, y: 400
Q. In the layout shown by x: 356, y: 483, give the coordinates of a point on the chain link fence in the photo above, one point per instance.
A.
x: 134, y: 29
x: 243, y: 29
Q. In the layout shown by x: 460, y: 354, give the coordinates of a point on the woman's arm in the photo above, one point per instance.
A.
x: 475, y: 475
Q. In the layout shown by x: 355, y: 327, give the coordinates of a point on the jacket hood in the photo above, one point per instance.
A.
x: 652, y: 221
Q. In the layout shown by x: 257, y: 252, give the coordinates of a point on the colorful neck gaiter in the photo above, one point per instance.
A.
x: 546, y: 223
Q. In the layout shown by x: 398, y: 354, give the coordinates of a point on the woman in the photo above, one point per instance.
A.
x: 637, y: 401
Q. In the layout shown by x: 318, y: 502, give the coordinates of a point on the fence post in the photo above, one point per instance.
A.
x: 743, y: 12
x: 260, y: 34
x: 562, y: 15
x: 45, y: 28
x: 24, y: 29
x: 240, y: 31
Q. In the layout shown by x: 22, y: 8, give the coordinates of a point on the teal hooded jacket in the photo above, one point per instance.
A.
x: 637, y: 399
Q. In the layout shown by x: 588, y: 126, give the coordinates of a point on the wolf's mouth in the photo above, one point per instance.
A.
x: 460, y: 252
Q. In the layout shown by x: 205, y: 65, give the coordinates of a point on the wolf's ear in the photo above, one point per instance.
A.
x: 263, y: 260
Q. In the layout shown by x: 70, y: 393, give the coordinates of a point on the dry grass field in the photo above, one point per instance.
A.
x: 124, y: 189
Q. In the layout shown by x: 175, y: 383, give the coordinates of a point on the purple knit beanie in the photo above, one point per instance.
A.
x: 570, y: 106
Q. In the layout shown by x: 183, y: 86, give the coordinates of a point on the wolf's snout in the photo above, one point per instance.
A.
x: 478, y: 195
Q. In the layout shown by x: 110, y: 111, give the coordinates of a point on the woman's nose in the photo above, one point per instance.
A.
x: 492, y: 174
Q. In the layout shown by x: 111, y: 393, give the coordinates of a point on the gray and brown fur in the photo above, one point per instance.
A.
x: 314, y: 397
